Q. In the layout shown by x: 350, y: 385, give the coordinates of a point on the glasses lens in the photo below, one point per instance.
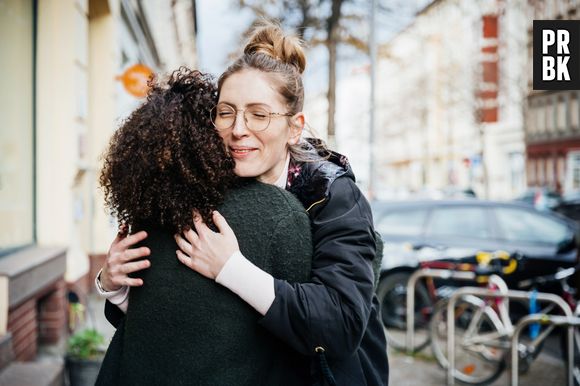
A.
x: 257, y: 118
x: 223, y: 116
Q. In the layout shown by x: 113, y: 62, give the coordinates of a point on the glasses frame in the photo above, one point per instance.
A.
x: 243, y: 111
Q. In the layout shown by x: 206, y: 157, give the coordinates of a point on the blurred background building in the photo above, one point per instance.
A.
x: 67, y: 70
x: 450, y: 101
x: 552, y: 132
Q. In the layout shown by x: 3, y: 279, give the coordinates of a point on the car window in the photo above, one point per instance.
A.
x: 523, y: 225
x: 402, y: 222
x: 459, y: 221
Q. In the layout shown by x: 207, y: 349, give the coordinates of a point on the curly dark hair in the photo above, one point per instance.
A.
x: 167, y: 159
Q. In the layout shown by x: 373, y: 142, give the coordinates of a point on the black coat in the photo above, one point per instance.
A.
x: 338, y: 309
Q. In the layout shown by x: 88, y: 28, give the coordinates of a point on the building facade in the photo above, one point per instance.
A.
x: 450, y: 101
x: 61, y: 64
x: 553, y: 117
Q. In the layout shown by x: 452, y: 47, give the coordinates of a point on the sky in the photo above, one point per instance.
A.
x: 219, y: 28
x: 221, y: 23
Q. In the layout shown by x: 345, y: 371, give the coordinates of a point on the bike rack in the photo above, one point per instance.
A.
x: 487, y: 293
x: 556, y: 320
x: 426, y: 272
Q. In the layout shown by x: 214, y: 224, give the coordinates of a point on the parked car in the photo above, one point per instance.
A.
x: 425, y: 230
x: 416, y: 231
x: 570, y: 206
x: 541, y: 198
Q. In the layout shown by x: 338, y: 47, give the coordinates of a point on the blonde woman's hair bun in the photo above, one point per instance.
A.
x: 269, y: 39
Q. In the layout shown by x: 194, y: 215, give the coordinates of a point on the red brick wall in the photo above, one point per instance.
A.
x: 489, y: 111
x: 52, y: 315
x: 23, y: 324
x: 40, y: 319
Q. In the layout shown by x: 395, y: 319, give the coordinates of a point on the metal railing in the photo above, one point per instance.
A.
x: 487, y: 293
x: 556, y: 320
x: 421, y: 273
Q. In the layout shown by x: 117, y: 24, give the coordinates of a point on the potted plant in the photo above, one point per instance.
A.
x: 84, y: 357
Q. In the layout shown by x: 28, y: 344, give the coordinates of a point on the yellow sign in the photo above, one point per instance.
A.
x: 135, y: 80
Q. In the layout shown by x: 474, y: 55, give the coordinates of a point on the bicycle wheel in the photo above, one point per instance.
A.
x: 481, y: 347
x: 392, y: 295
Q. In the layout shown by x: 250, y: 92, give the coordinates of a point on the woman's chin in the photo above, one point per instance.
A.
x: 245, y: 171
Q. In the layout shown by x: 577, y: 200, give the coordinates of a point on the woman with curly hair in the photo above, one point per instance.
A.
x: 164, y: 162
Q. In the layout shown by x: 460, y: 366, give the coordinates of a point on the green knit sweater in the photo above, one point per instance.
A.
x: 184, y: 329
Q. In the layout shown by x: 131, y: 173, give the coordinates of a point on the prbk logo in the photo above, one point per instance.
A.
x: 556, y: 54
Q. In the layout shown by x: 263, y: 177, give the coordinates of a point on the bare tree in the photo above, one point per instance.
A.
x: 317, y: 22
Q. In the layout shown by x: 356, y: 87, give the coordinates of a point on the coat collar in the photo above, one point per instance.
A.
x: 310, y: 181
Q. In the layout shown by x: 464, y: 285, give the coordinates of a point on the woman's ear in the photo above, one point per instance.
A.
x: 296, y: 126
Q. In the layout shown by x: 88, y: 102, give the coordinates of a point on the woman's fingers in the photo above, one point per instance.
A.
x: 133, y: 282
x: 185, y: 260
x: 195, y: 264
x: 200, y: 227
x: 184, y: 245
x: 131, y: 240
x: 191, y: 236
x: 221, y: 223
x: 135, y: 266
x: 136, y: 253
x: 121, y: 234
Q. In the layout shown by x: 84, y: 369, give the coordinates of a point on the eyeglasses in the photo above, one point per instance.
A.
x: 256, y: 118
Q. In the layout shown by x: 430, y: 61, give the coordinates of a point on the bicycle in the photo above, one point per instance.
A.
x: 392, y: 294
x: 484, y: 330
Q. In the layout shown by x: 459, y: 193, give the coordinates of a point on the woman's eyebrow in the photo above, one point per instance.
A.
x: 258, y: 104
x: 251, y: 104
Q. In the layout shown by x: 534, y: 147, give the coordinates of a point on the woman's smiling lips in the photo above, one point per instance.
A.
x: 240, y: 152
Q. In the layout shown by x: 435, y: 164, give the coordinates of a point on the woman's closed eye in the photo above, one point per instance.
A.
x: 226, y: 114
x: 259, y: 114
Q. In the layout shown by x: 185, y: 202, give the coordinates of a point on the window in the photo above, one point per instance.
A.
x: 540, y: 118
x: 402, y: 223
x: 549, y: 116
x: 561, y: 114
x: 573, y: 172
x: 459, y: 222
x: 16, y: 128
x: 517, y: 180
x: 574, y: 111
x: 531, y: 170
x: 525, y: 226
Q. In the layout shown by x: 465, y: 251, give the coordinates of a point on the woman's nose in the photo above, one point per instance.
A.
x: 240, y: 129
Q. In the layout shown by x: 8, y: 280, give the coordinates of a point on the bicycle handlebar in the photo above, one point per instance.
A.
x: 560, y: 275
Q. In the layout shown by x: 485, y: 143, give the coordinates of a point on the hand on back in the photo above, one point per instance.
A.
x: 121, y: 262
x: 204, y: 250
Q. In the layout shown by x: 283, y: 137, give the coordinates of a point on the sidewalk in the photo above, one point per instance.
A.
x: 424, y: 371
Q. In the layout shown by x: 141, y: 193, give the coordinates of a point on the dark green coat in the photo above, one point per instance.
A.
x: 184, y: 329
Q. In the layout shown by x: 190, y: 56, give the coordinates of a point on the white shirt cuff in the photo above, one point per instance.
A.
x: 118, y: 297
x: 254, y: 286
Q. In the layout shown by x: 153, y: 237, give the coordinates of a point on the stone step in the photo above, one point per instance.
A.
x: 33, y: 374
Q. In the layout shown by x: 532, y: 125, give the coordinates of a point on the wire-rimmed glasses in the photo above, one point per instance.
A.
x: 256, y: 118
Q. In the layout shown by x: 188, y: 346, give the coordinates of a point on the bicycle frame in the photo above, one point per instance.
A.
x: 486, y: 293
x: 429, y: 273
x: 568, y: 321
